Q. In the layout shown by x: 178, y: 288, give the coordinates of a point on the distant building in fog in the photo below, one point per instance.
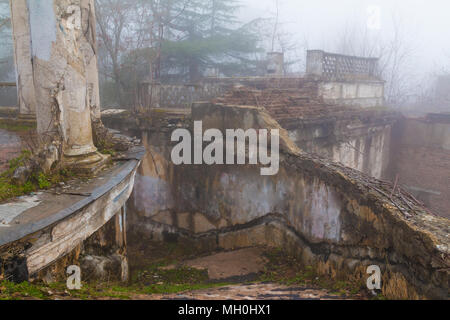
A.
x: 442, y: 90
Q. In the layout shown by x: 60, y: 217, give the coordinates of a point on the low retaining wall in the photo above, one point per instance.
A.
x: 357, y: 92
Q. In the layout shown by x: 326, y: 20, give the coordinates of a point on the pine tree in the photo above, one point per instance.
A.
x: 208, y: 36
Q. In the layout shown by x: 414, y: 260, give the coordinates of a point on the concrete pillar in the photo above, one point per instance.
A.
x: 22, y: 57
x: 314, y: 62
x: 89, y: 30
x: 65, y: 78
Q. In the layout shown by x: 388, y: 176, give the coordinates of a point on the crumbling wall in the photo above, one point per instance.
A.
x: 367, y: 94
x: 356, y: 137
x: 156, y: 95
x: 361, y: 143
x: 363, y: 93
x: 337, y: 219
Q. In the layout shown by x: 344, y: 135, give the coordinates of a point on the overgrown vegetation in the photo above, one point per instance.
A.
x: 37, y: 180
x: 16, y: 126
x: 153, y: 280
x: 172, y: 41
x: 169, y: 276
x: 288, y: 270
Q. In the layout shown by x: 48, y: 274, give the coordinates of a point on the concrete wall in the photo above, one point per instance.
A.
x: 421, y: 158
x: 334, y: 218
x: 357, y: 92
x: 360, y: 93
x: 177, y: 96
x: 360, y: 144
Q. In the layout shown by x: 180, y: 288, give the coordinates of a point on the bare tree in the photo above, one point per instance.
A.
x: 395, y: 52
x: 114, y: 21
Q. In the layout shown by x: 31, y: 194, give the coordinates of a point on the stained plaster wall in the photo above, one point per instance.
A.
x: 325, y: 213
x: 361, y: 145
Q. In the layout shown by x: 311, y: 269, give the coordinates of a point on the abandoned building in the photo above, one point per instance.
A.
x: 359, y: 184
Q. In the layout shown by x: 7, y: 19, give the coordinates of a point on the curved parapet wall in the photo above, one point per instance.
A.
x: 335, y: 218
x: 40, y: 230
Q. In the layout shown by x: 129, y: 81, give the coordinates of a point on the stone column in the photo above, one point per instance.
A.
x: 65, y: 79
x: 22, y: 58
x: 88, y: 25
x: 314, y: 62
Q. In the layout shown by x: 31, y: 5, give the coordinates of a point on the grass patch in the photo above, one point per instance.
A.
x: 37, y: 180
x: 12, y: 291
x: 16, y: 126
x: 288, y: 270
x: 153, y: 280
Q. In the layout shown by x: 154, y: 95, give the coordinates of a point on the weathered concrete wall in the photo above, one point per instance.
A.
x: 336, y: 219
x: 421, y: 157
x: 178, y: 96
x: 360, y: 93
x: 359, y: 143
x: 357, y: 92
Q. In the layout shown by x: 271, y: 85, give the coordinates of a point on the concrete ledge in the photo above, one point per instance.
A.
x: 41, y: 234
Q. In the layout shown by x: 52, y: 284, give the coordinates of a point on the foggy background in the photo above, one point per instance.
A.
x: 423, y: 27
x: 184, y: 40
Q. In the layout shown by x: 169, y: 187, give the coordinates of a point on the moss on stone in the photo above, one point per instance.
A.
x: 37, y: 180
x: 19, y: 126
x: 288, y: 270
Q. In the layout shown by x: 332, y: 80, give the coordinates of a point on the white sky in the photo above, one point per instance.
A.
x: 427, y: 22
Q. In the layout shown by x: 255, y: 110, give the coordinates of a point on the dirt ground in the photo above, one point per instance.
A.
x: 255, y: 274
x: 170, y: 273
x: 256, y: 291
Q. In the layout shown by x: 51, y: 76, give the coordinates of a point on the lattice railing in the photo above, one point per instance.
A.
x: 337, y: 66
